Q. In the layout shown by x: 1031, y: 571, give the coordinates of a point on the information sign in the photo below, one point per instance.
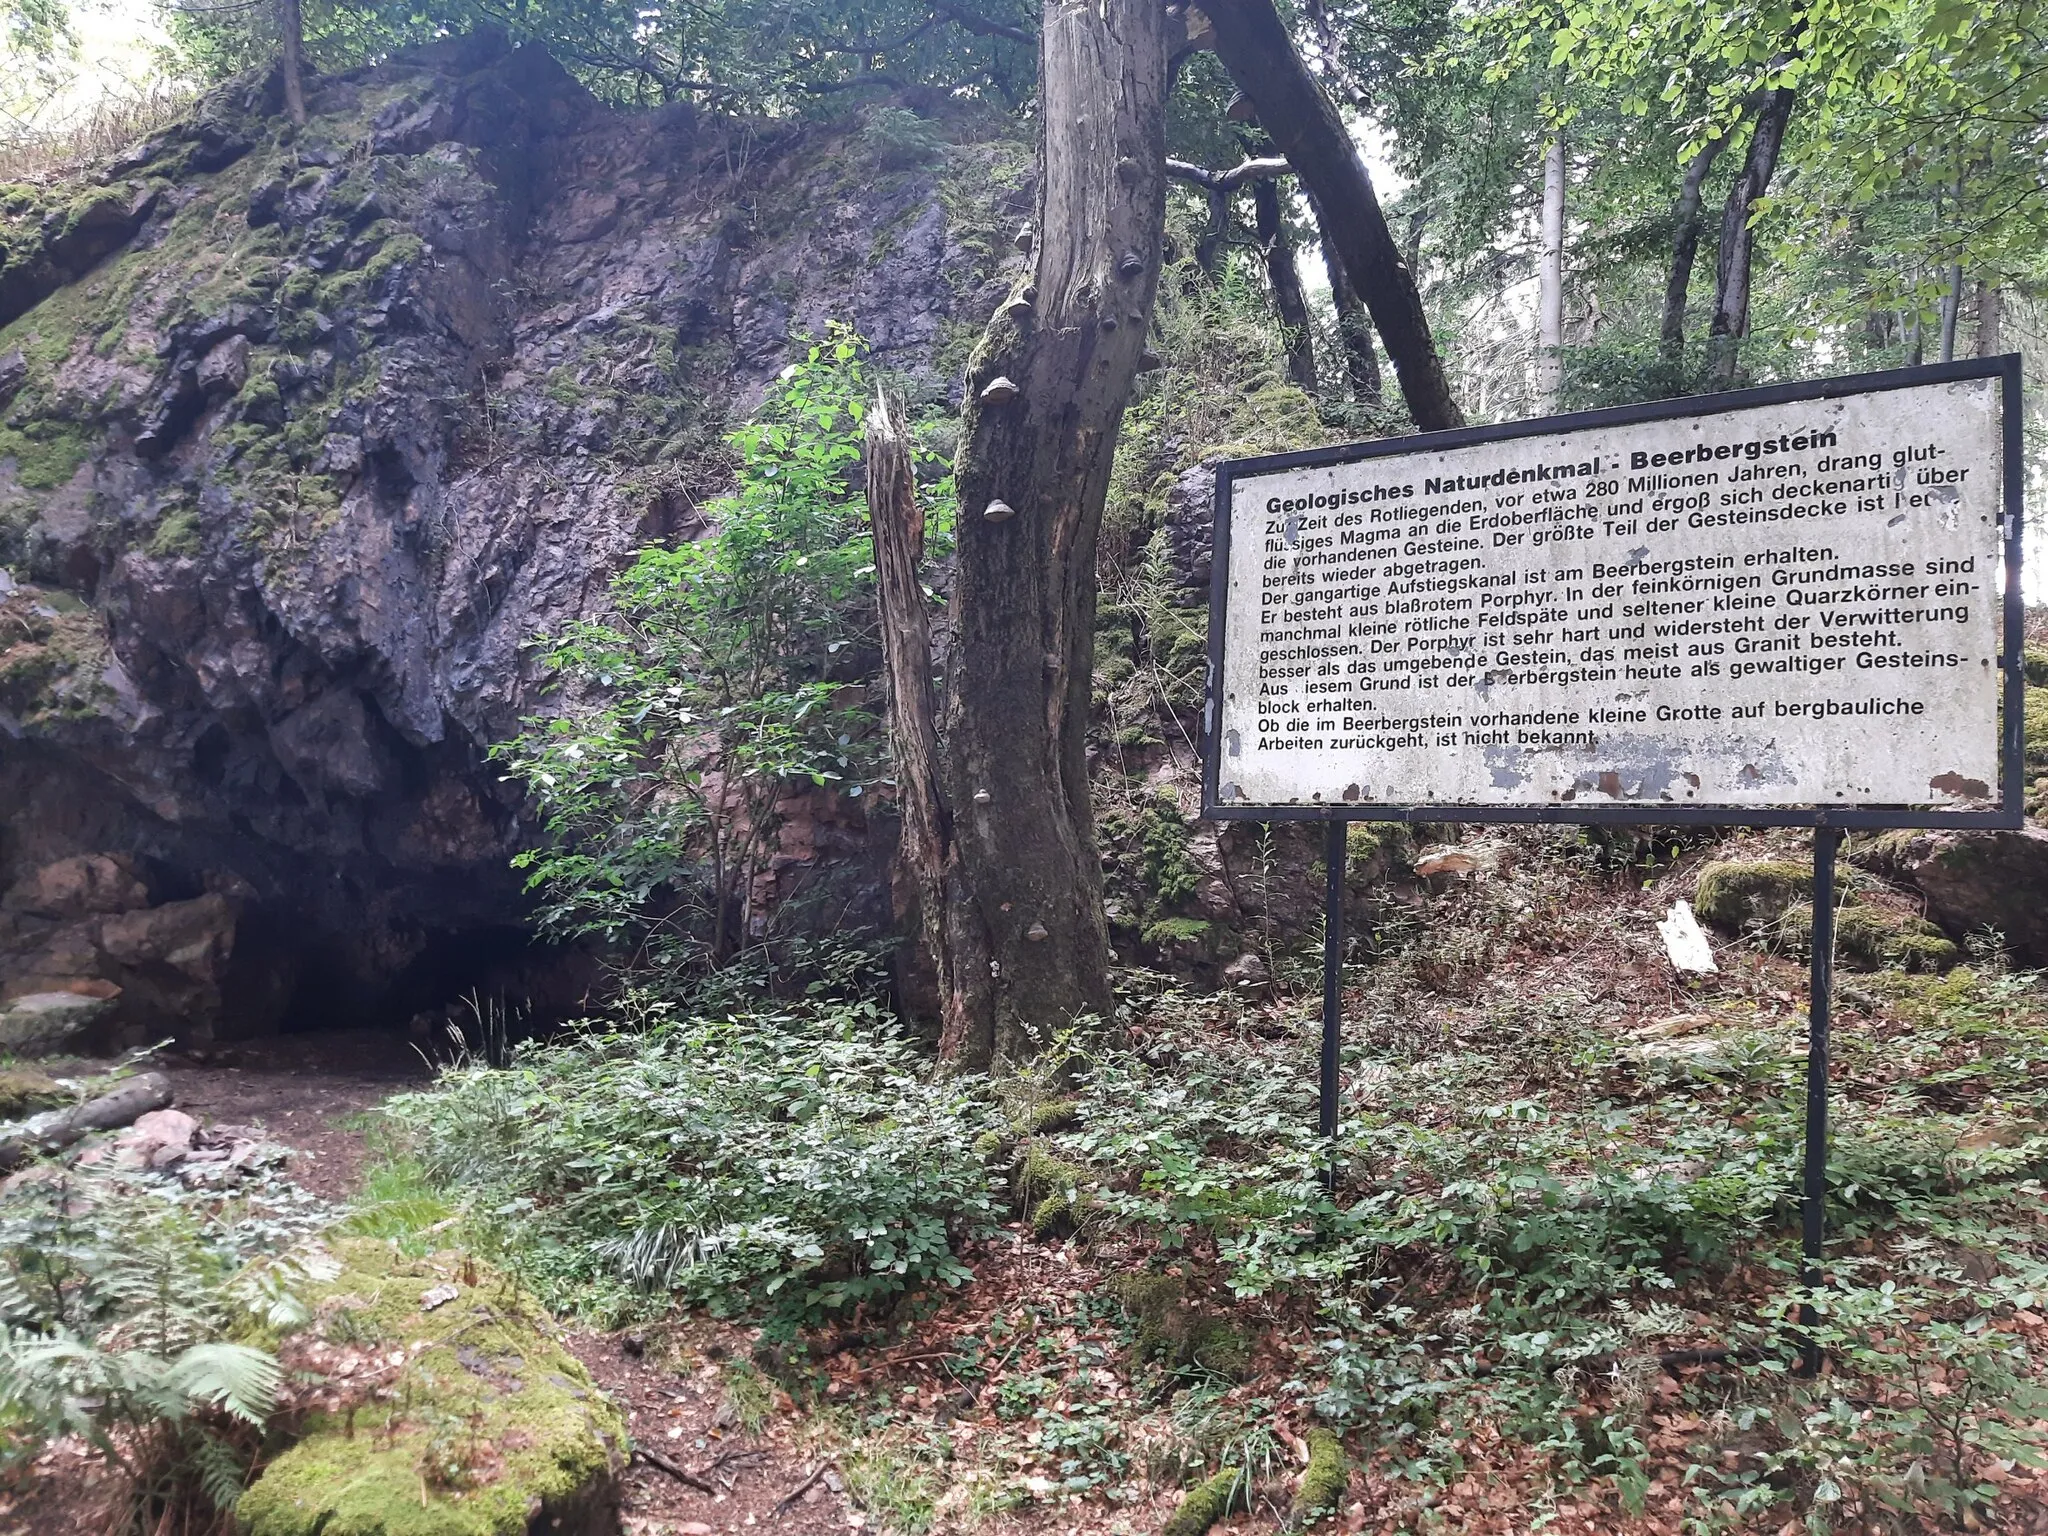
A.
x: 1751, y: 607
x: 1797, y: 605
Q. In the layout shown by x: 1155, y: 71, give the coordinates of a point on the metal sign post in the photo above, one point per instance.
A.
x: 1793, y: 606
x: 1813, y: 1193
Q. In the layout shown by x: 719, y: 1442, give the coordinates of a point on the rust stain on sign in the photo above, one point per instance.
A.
x: 1956, y: 784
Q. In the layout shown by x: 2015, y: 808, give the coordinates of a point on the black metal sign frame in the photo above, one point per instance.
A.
x: 1828, y: 822
x: 2008, y: 814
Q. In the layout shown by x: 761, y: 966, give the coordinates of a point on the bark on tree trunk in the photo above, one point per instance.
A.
x: 1951, y: 311
x: 1738, y: 239
x: 1304, y: 126
x: 1024, y: 932
x: 1209, y: 249
x: 1550, y: 285
x: 1354, y: 328
x: 1989, y: 314
x: 1685, y: 247
x: 291, y: 27
x: 924, y: 846
x: 1284, y: 277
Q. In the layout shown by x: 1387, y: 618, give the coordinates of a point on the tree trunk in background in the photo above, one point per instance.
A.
x: 1209, y: 249
x: 1916, y: 342
x: 1738, y: 239
x: 924, y: 847
x: 1354, y: 327
x: 1989, y: 313
x: 1951, y: 311
x: 291, y: 29
x: 1550, y: 286
x: 1685, y: 247
x: 1024, y: 933
x: 1284, y: 277
x: 1304, y: 126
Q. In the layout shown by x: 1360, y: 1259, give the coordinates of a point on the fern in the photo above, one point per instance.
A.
x: 243, y: 1380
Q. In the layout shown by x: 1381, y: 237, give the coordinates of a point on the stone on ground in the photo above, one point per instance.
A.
x: 465, y: 1418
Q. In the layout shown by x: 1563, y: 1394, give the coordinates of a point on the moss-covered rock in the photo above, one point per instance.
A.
x: 1173, y: 1329
x: 1748, y: 893
x: 488, y: 1427
x: 24, y: 1091
x: 1055, y: 1194
x: 1209, y: 1501
x: 1869, y: 937
x: 1323, y: 1480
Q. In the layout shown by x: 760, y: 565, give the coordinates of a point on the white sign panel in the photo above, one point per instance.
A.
x: 1785, y: 604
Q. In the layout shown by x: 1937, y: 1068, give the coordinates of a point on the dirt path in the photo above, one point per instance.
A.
x: 306, y: 1092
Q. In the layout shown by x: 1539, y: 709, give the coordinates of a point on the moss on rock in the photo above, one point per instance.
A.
x: 1871, y: 937
x: 1209, y: 1501
x: 1737, y: 893
x: 1324, y: 1480
x: 24, y: 1091
x: 489, y: 1427
x: 1173, y: 1329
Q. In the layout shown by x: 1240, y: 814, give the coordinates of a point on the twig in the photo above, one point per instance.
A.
x: 802, y: 1488
x: 655, y: 1459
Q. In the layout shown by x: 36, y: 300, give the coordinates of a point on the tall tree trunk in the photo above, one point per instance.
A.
x: 1916, y: 341
x: 1354, y: 327
x: 1951, y: 311
x: 1284, y: 277
x: 1304, y: 126
x: 1738, y: 239
x: 1550, y: 285
x: 1990, y: 310
x: 1025, y: 941
x: 1685, y: 248
x: 291, y: 28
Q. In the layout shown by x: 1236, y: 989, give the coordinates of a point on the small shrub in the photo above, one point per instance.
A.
x: 794, y: 1163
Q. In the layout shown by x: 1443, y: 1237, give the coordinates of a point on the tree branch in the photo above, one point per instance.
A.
x: 982, y: 26
x: 1230, y: 180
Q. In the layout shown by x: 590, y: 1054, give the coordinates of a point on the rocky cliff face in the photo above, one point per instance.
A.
x: 307, y: 434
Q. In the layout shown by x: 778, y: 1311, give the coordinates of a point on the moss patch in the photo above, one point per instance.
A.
x: 1324, y: 1480
x: 1738, y: 894
x: 46, y: 452
x: 1870, y: 937
x: 1172, y: 1329
x: 24, y: 1091
x: 1209, y: 1501
x: 487, y: 1421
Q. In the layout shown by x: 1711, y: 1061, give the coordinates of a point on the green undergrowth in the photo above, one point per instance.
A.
x: 793, y: 1163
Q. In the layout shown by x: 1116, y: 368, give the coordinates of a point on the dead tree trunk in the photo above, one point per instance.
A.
x: 1685, y: 247
x: 1304, y: 125
x: 1738, y: 237
x: 1550, y: 285
x: 1024, y: 943
x: 1354, y: 327
x: 924, y: 845
x: 291, y: 28
x: 1284, y: 278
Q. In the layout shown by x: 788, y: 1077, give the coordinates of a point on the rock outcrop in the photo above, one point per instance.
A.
x: 307, y: 434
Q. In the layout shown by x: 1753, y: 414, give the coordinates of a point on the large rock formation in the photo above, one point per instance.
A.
x: 308, y: 433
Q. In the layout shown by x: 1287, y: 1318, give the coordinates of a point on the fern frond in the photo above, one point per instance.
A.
x: 222, y: 1475
x: 239, y: 1378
